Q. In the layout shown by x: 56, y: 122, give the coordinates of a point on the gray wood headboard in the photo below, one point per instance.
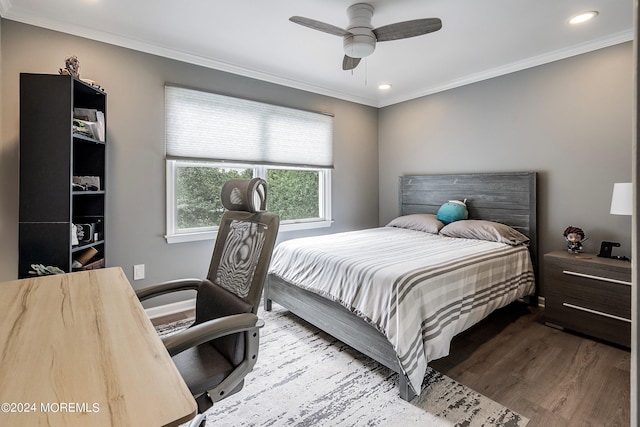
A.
x: 508, y: 198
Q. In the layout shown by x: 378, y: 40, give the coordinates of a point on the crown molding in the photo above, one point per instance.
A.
x: 557, y: 55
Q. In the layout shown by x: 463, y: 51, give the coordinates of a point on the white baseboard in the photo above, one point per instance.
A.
x: 168, y: 309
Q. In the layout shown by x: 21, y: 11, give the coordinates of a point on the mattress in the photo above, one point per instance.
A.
x: 416, y: 288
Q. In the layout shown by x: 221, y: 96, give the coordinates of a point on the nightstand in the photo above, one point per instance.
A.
x: 588, y: 295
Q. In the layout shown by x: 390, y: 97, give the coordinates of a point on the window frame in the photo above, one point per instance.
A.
x: 173, y: 235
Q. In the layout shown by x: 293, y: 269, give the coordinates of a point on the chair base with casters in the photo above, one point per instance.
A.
x: 202, y: 365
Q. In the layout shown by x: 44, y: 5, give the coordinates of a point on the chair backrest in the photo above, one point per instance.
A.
x: 242, y: 254
x: 246, y: 237
x: 240, y: 260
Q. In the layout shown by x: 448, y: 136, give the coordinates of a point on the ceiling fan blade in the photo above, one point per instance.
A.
x: 406, y: 29
x: 349, y: 63
x: 320, y: 26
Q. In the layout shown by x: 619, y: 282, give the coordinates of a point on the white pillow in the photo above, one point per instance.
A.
x: 484, y: 230
x: 419, y: 222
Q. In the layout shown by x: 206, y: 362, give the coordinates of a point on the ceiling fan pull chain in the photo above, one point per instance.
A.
x: 366, y: 71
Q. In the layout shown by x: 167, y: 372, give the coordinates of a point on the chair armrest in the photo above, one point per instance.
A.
x: 212, y: 329
x: 168, y: 287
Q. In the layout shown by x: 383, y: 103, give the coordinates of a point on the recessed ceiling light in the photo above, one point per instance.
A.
x: 583, y: 17
x: 384, y: 86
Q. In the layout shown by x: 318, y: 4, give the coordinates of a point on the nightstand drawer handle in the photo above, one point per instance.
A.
x: 577, y: 307
x: 604, y: 279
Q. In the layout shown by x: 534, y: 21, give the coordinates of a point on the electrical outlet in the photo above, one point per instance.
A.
x: 138, y: 272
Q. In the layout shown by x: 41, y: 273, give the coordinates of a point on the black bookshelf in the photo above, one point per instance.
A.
x: 51, y: 154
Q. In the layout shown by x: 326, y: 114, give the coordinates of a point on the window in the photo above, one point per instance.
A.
x: 212, y: 138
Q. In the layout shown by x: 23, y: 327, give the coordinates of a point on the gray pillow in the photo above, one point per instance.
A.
x: 484, y: 230
x: 419, y: 222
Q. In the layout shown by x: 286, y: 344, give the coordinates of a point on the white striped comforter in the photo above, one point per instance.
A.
x: 418, y: 289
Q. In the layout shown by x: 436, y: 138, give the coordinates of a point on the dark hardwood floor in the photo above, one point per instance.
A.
x: 553, y: 377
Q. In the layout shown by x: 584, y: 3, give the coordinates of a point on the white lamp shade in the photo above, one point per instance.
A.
x: 622, y: 199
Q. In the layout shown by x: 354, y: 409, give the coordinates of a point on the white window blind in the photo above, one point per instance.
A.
x: 204, y: 125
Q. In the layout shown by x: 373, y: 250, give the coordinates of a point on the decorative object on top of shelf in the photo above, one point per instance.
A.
x: 93, y: 83
x: 42, y: 270
x: 453, y: 210
x: 71, y: 67
x: 574, y: 237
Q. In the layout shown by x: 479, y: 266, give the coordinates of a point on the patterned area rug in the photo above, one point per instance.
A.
x: 305, y: 377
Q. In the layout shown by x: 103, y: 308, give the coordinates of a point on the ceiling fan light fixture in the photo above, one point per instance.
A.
x: 583, y: 17
x: 360, y: 42
x: 359, y: 45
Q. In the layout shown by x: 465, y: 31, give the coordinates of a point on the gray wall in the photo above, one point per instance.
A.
x: 570, y: 120
x: 134, y: 83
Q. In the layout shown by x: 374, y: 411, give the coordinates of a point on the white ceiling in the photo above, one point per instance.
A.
x: 478, y: 40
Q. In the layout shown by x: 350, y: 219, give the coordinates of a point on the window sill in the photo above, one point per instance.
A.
x: 190, y: 237
x: 211, y: 235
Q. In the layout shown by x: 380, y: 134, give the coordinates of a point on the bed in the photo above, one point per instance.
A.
x: 399, y: 295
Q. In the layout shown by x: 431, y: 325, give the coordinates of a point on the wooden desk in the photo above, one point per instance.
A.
x: 78, y: 350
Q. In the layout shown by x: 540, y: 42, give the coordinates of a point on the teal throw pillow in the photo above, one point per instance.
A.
x: 453, y: 210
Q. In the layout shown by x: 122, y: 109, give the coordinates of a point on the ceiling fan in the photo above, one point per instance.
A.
x: 359, y: 38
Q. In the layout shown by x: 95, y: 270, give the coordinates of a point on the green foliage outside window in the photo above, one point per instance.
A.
x: 198, y: 194
x: 293, y: 194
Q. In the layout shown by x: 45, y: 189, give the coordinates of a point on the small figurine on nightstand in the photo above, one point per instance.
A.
x: 575, y: 237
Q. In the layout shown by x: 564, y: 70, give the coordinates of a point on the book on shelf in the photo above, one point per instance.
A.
x: 88, y: 260
x: 89, y: 122
x: 84, y: 183
x: 85, y: 256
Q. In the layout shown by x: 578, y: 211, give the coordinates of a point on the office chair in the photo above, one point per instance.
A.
x: 215, y: 353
